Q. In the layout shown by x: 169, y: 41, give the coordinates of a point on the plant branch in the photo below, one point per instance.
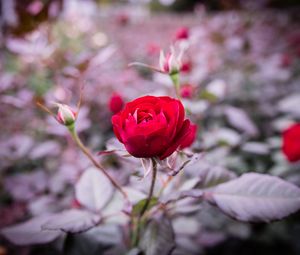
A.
x: 139, y: 221
x: 165, y: 184
x: 175, y: 79
x: 154, y: 173
x: 93, y: 160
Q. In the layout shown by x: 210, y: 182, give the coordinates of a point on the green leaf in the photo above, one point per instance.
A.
x: 11, y: 63
x: 40, y: 83
x: 175, y: 79
x: 137, y: 208
x: 208, y: 96
x: 158, y: 237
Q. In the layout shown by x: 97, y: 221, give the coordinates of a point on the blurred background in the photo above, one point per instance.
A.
x: 240, y: 84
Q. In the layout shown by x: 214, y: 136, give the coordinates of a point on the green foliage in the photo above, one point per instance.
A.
x: 208, y: 96
x: 137, y: 209
x: 40, y: 82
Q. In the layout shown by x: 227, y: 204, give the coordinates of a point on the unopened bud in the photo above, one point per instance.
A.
x: 186, y: 67
x: 172, y: 62
x: 182, y: 33
x: 115, y: 103
x: 65, y: 115
x: 187, y: 91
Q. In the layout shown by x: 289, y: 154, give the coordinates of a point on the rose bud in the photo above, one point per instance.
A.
x: 171, y: 63
x: 182, y: 33
x: 65, y: 115
x: 152, y: 126
x: 291, y: 143
x: 115, y: 103
x: 186, y: 67
x: 187, y: 91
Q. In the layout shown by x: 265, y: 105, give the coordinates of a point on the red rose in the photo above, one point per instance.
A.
x: 115, y: 103
x: 153, y: 127
x: 291, y: 143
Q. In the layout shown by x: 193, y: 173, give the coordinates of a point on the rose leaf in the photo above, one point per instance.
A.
x: 72, y: 221
x: 93, y: 190
x: 31, y: 232
x: 158, y: 237
x: 256, y: 197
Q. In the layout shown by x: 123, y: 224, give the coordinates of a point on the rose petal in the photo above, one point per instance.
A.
x: 180, y: 138
x: 190, y: 138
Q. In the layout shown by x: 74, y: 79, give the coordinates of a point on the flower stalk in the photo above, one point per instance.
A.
x: 86, y: 151
x: 154, y: 173
x: 175, y: 79
x: 139, y: 221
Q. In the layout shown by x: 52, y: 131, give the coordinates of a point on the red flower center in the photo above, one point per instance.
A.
x: 142, y: 116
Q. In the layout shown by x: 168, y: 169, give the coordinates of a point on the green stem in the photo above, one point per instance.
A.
x: 154, y: 173
x: 175, y: 79
x: 92, y: 159
x: 139, y: 221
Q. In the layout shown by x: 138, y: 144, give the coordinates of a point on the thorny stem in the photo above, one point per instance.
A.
x: 139, y: 221
x: 92, y: 159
